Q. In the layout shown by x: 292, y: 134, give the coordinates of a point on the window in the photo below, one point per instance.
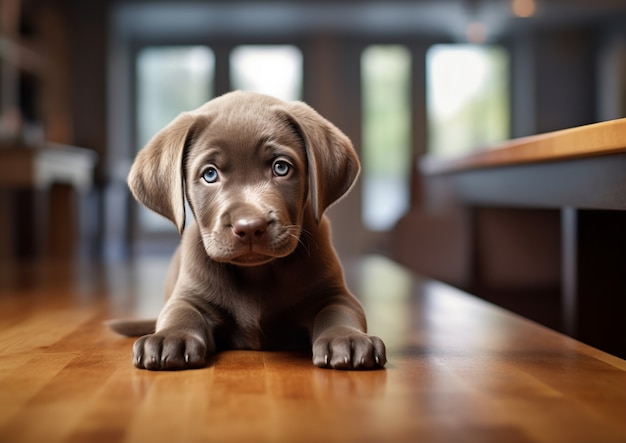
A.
x: 386, y: 156
x: 274, y: 70
x: 170, y: 80
x: 467, y: 98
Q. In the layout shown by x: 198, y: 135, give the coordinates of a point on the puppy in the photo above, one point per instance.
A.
x: 256, y: 269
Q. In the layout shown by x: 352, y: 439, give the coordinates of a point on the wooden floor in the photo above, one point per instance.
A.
x: 460, y: 370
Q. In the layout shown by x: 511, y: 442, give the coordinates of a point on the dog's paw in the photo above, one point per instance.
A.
x: 170, y: 351
x: 349, y: 350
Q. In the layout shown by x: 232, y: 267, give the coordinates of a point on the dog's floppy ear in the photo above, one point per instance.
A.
x: 156, y: 177
x: 333, y: 163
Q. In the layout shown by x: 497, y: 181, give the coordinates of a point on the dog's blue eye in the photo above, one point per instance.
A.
x: 281, y: 168
x: 210, y: 175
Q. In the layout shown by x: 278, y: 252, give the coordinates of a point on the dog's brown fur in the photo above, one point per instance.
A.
x: 256, y: 270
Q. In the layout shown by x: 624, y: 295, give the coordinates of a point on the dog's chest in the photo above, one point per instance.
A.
x: 261, y: 314
x: 256, y: 329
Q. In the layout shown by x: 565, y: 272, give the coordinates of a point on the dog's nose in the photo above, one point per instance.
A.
x: 250, y: 229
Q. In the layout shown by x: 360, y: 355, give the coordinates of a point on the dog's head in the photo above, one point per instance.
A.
x: 250, y: 166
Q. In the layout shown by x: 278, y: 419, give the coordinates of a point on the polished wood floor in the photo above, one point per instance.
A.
x: 460, y: 370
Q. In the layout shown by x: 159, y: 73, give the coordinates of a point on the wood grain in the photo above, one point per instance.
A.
x: 584, y: 141
x: 460, y: 370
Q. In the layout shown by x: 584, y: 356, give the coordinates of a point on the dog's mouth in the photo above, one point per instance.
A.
x: 258, y: 253
x: 251, y: 259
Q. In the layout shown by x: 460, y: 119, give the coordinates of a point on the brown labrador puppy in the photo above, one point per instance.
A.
x: 256, y: 270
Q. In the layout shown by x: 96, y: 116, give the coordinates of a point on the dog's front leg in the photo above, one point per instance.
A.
x: 340, y: 340
x: 183, y: 339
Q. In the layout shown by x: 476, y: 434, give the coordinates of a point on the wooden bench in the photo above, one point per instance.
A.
x: 460, y: 370
x: 540, y: 216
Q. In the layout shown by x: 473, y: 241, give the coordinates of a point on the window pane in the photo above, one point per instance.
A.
x: 386, y: 157
x: 274, y: 70
x: 467, y: 98
x: 170, y: 80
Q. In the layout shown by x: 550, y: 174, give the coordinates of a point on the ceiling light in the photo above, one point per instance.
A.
x: 524, y: 8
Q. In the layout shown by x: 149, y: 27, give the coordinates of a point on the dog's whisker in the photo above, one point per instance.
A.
x: 300, y: 234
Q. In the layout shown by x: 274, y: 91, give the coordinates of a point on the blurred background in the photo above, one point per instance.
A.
x: 84, y: 85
